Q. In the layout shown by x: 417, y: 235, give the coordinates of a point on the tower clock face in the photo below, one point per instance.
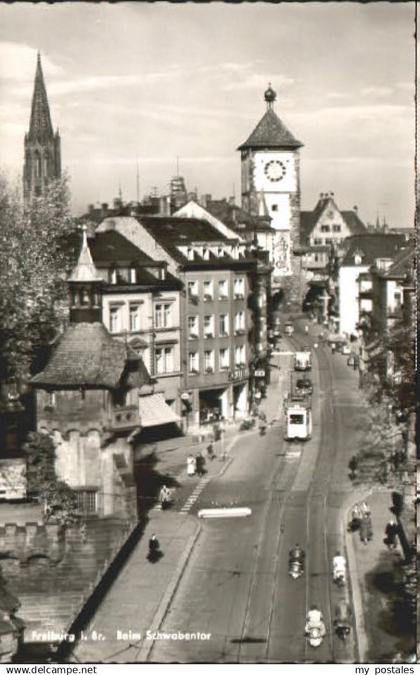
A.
x: 275, y: 170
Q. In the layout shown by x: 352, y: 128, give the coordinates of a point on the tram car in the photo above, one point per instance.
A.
x: 298, y: 419
x: 303, y: 360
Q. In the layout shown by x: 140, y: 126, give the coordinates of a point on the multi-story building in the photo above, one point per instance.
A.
x: 362, y: 251
x: 42, y: 161
x: 215, y: 317
x: 141, y: 305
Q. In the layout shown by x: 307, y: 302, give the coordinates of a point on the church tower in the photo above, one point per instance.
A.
x: 270, y: 174
x: 42, y: 161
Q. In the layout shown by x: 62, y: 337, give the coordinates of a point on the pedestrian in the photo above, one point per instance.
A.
x: 353, y: 467
x: 210, y: 451
x: 391, y: 532
x: 365, y: 508
x: 191, y: 465
x: 164, y: 497
x: 200, y: 463
x: 365, y: 530
x: 154, y: 549
x: 356, y: 517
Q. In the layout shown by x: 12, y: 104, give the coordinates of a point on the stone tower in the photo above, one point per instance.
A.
x: 271, y: 176
x: 42, y: 161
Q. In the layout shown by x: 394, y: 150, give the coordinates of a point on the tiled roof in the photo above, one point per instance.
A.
x: 235, y: 217
x: 111, y: 246
x: 87, y: 356
x: 372, y: 246
x: 353, y: 222
x: 181, y: 231
x: 270, y: 132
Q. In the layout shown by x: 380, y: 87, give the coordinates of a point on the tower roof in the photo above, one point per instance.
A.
x: 270, y: 132
x: 40, y: 125
x: 85, y: 270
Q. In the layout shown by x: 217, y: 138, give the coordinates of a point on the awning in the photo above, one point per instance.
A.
x: 154, y: 411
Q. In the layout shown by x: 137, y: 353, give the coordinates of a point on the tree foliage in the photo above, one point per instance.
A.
x: 33, y: 266
x: 58, y: 499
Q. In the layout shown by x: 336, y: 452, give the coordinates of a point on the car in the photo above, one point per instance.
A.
x: 304, y: 385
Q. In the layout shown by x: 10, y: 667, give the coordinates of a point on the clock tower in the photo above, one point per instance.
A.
x: 270, y: 170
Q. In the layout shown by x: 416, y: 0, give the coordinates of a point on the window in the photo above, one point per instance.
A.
x: 208, y: 290
x: 275, y: 207
x: 325, y: 228
x: 296, y: 419
x: 193, y: 327
x: 327, y: 240
x: 209, y: 361
x: 317, y: 242
x: 133, y: 275
x: 193, y: 289
x: 316, y: 257
x: 239, y: 322
x: 209, y: 325
x: 114, y: 320
x: 193, y: 366
x: 223, y: 325
x: 223, y: 358
x: 134, y: 312
x: 112, y: 276
x: 164, y: 360
x: 239, y: 287
x: 206, y: 253
x: 223, y: 289
x: 397, y: 299
x: 86, y: 500
x: 336, y: 228
x: 240, y: 355
x: 190, y: 256
x: 163, y: 315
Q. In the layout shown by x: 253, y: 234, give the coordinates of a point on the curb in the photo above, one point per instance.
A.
x: 168, y: 596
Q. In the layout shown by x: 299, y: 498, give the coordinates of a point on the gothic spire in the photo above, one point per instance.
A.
x: 40, y: 126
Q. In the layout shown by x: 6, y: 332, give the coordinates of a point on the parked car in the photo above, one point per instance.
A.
x: 304, y: 385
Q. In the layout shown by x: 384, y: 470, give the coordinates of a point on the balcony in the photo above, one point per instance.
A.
x: 207, y: 297
x: 209, y: 335
x: 125, y: 418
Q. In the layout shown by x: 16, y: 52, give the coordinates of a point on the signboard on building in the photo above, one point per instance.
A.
x: 259, y: 373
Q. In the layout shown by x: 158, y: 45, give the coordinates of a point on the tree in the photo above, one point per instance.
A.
x: 57, y: 498
x: 33, y: 266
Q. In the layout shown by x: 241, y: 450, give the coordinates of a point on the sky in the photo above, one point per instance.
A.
x: 150, y: 82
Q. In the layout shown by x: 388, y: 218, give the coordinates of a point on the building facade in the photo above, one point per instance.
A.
x: 215, y: 317
x: 42, y: 146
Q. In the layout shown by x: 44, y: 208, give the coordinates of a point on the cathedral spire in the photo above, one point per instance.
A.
x: 40, y: 126
x: 42, y: 147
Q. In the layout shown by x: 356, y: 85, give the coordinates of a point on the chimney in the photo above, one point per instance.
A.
x: 355, y: 209
x: 104, y: 208
x: 91, y: 208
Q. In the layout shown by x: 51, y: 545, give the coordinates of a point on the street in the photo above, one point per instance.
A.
x: 236, y: 585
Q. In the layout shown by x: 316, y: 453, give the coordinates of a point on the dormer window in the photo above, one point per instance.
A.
x: 357, y: 258
x: 133, y: 276
x: 190, y: 254
x: 206, y: 253
x: 113, y: 276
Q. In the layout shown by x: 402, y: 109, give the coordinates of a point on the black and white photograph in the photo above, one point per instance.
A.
x: 208, y: 333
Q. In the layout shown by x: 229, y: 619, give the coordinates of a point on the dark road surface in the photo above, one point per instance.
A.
x: 236, y: 585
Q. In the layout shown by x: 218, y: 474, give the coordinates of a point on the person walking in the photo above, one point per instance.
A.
x: 164, y: 497
x: 356, y: 517
x: 191, y: 465
x: 391, y: 531
x: 200, y: 463
x: 365, y: 508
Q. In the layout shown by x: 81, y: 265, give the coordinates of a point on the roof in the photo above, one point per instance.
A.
x: 85, y: 270
x: 88, y: 356
x: 372, y: 247
x: 236, y: 217
x: 403, y: 265
x: 155, y: 411
x: 111, y: 246
x: 270, y: 132
x: 40, y: 126
x: 353, y: 222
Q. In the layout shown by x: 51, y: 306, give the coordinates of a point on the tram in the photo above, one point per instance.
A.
x: 298, y: 420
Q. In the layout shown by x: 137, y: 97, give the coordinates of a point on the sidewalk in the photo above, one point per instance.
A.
x: 140, y: 595
x: 376, y: 576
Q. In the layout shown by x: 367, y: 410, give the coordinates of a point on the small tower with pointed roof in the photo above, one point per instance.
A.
x: 270, y: 171
x: 85, y: 284
x: 42, y: 161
